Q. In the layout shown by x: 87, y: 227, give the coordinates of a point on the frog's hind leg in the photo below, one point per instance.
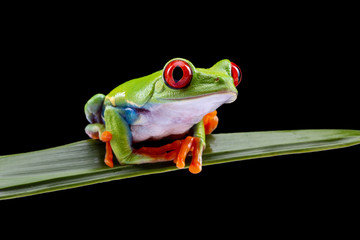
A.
x: 167, y: 152
x: 118, y: 128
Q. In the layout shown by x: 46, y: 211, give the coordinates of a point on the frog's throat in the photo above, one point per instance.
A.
x: 177, y: 116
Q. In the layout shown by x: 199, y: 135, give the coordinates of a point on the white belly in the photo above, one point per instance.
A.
x: 175, y: 117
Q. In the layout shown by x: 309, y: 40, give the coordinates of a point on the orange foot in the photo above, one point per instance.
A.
x: 210, y: 122
x: 190, y: 144
x: 177, y: 151
x: 106, y: 136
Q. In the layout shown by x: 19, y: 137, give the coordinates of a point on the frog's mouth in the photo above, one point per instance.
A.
x: 198, y: 106
x: 224, y: 97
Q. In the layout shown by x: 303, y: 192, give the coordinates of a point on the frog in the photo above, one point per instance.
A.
x: 179, y: 103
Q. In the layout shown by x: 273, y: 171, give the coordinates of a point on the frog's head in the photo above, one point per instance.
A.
x: 182, y: 81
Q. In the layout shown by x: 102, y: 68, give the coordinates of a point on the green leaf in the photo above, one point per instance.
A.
x: 81, y: 163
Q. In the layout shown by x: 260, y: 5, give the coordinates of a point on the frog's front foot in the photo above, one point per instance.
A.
x: 177, y: 151
x: 210, y: 122
x: 190, y: 144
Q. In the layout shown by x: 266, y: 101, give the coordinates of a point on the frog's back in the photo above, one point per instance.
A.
x: 134, y: 93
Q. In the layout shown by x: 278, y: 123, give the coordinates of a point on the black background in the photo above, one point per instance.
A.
x: 299, y: 72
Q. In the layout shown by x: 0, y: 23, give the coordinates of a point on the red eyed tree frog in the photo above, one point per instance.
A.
x: 178, y: 101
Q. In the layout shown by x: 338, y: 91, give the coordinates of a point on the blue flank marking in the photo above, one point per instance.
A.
x: 130, y: 115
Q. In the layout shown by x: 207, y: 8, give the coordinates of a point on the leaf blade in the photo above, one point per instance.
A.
x: 81, y: 163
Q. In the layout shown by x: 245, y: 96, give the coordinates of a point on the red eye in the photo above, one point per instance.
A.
x: 236, y: 74
x: 178, y: 74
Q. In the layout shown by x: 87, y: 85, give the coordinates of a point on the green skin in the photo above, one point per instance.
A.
x: 134, y: 104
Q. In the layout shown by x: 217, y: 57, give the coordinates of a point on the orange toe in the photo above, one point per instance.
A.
x: 190, y: 144
x: 109, y: 155
x: 106, y: 136
x: 196, y: 162
x: 210, y: 122
x: 184, y: 150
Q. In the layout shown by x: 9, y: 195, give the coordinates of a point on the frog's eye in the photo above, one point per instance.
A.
x: 178, y: 74
x: 236, y: 74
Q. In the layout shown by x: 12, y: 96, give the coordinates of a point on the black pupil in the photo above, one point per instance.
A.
x: 177, y: 73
